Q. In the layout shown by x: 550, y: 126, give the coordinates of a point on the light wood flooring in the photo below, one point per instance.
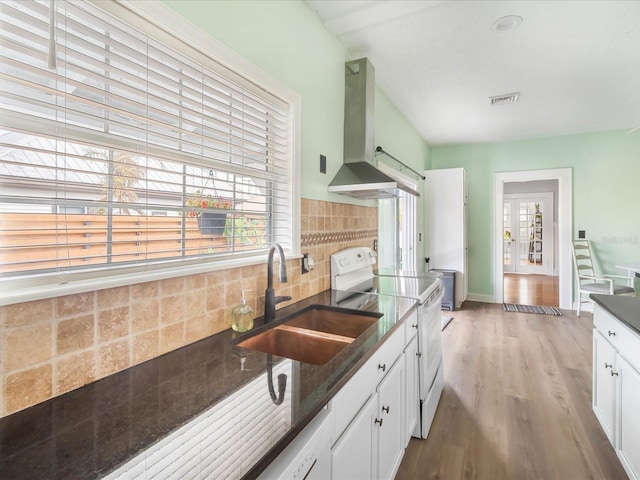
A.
x: 531, y: 289
x: 516, y: 404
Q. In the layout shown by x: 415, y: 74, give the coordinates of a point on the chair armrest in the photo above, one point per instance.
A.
x: 628, y: 279
x: 624, y: 277
x: 595, y: 279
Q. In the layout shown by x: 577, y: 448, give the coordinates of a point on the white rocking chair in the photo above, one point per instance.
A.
x: 588, y: 281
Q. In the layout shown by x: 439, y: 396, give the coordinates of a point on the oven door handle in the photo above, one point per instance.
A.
x: 436, y: 300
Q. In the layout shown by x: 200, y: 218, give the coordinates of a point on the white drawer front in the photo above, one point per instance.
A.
x: 388, y: 353
x: 410, y: 327
x: 625, y: 340
x: 350, y: 399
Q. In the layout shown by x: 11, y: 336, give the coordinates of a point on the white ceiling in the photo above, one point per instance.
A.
x: 576, y: 64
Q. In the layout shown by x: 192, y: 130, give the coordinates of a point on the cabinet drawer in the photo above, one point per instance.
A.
x: 387, y: 354
x: 625, y: 340
x: 350, y: 399
x: 608, y: 326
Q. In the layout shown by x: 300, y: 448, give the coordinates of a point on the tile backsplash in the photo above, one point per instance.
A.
x: 52, y: 346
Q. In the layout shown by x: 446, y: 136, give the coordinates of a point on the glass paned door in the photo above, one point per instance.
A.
x: 507, y: 236
x: 530, y: 248
x: 527, y: 234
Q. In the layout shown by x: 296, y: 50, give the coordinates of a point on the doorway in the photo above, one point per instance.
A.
x: 561, y: 226
x: 528, y: 233
x: 529, y: 238
x: 531, y: 289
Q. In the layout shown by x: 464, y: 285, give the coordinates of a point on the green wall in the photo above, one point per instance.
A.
x: 606, y: 201
x: 287, y: 40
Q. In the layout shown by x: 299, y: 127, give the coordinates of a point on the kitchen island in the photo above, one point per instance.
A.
x: 616, y: 375
x: 623, y: 308
x: 89, y: 432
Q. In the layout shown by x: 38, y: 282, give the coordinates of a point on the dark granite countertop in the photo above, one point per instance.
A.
x: 626, y: 309
x: 89, y: 432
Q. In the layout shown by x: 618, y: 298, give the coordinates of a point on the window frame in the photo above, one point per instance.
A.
x: 163, y: 24
x: 398, y: 224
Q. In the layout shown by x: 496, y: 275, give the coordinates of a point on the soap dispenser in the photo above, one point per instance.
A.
x: 242, y: 315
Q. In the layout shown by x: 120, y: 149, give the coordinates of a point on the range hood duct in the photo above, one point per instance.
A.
x: 359, y: 177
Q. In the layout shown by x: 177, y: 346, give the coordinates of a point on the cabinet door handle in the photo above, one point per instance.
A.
x: 418, y: 354
x: 415, y: 325
x: 382, y: 366
x: 612, y: 334
x: 614, y: 373
x: 378, y: 421
x: 608, y: 365
x: 385, y: 409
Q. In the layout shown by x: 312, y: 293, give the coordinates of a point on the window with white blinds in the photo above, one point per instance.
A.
x: 119, y: 149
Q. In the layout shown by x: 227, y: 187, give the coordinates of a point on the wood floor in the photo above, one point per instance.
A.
x: 531, y: 289
x: 516, y: 404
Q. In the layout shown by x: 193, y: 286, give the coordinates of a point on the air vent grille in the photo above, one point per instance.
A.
x: 505, y: 98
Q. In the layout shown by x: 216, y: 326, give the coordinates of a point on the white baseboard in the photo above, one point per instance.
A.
x: 585, y: 307
x: 476, y: 297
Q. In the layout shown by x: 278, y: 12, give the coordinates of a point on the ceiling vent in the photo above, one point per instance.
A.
x: 506, y: 98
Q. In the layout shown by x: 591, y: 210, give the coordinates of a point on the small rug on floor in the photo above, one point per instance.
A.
x: 446, y: 321
x: 516, y: 307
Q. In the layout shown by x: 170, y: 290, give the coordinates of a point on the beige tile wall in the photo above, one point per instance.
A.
x: 49, y: 347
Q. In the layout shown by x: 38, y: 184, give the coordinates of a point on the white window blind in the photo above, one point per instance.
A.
x: 130, y: 152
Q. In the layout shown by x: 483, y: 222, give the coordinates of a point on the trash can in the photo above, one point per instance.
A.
x: 449, y: 283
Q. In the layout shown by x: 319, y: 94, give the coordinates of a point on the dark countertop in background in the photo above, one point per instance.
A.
x: 626, y: 309
x: 89, y: 432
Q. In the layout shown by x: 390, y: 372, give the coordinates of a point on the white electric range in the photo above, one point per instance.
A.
x: 352, y: 271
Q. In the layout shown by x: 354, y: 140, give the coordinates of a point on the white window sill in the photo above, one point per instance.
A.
x: 11, y: 295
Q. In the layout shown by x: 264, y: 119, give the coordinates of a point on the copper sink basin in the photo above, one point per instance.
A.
x: 335, y: 321
x: 314, y: 335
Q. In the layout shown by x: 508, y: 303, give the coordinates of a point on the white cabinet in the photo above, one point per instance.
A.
x: 372, y: 446
x: 604, y: 358
x: 628, y: 446
x: 616, y: 386
x: 373, y: 414
x: 350, y: 399
x: 368, y: 443
x: 445, y: 204
x: 352, y: 457
x: 389, y: 426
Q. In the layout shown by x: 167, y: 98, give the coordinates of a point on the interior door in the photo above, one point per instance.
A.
x: 508, y: 235
x: 527, y: 233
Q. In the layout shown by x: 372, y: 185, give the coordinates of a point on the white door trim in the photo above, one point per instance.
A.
x: 565, y: 227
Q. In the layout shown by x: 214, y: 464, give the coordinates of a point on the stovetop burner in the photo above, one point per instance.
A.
x: 352, y: 269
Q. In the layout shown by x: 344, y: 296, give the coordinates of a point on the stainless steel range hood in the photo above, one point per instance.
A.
x: 358, y: 176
